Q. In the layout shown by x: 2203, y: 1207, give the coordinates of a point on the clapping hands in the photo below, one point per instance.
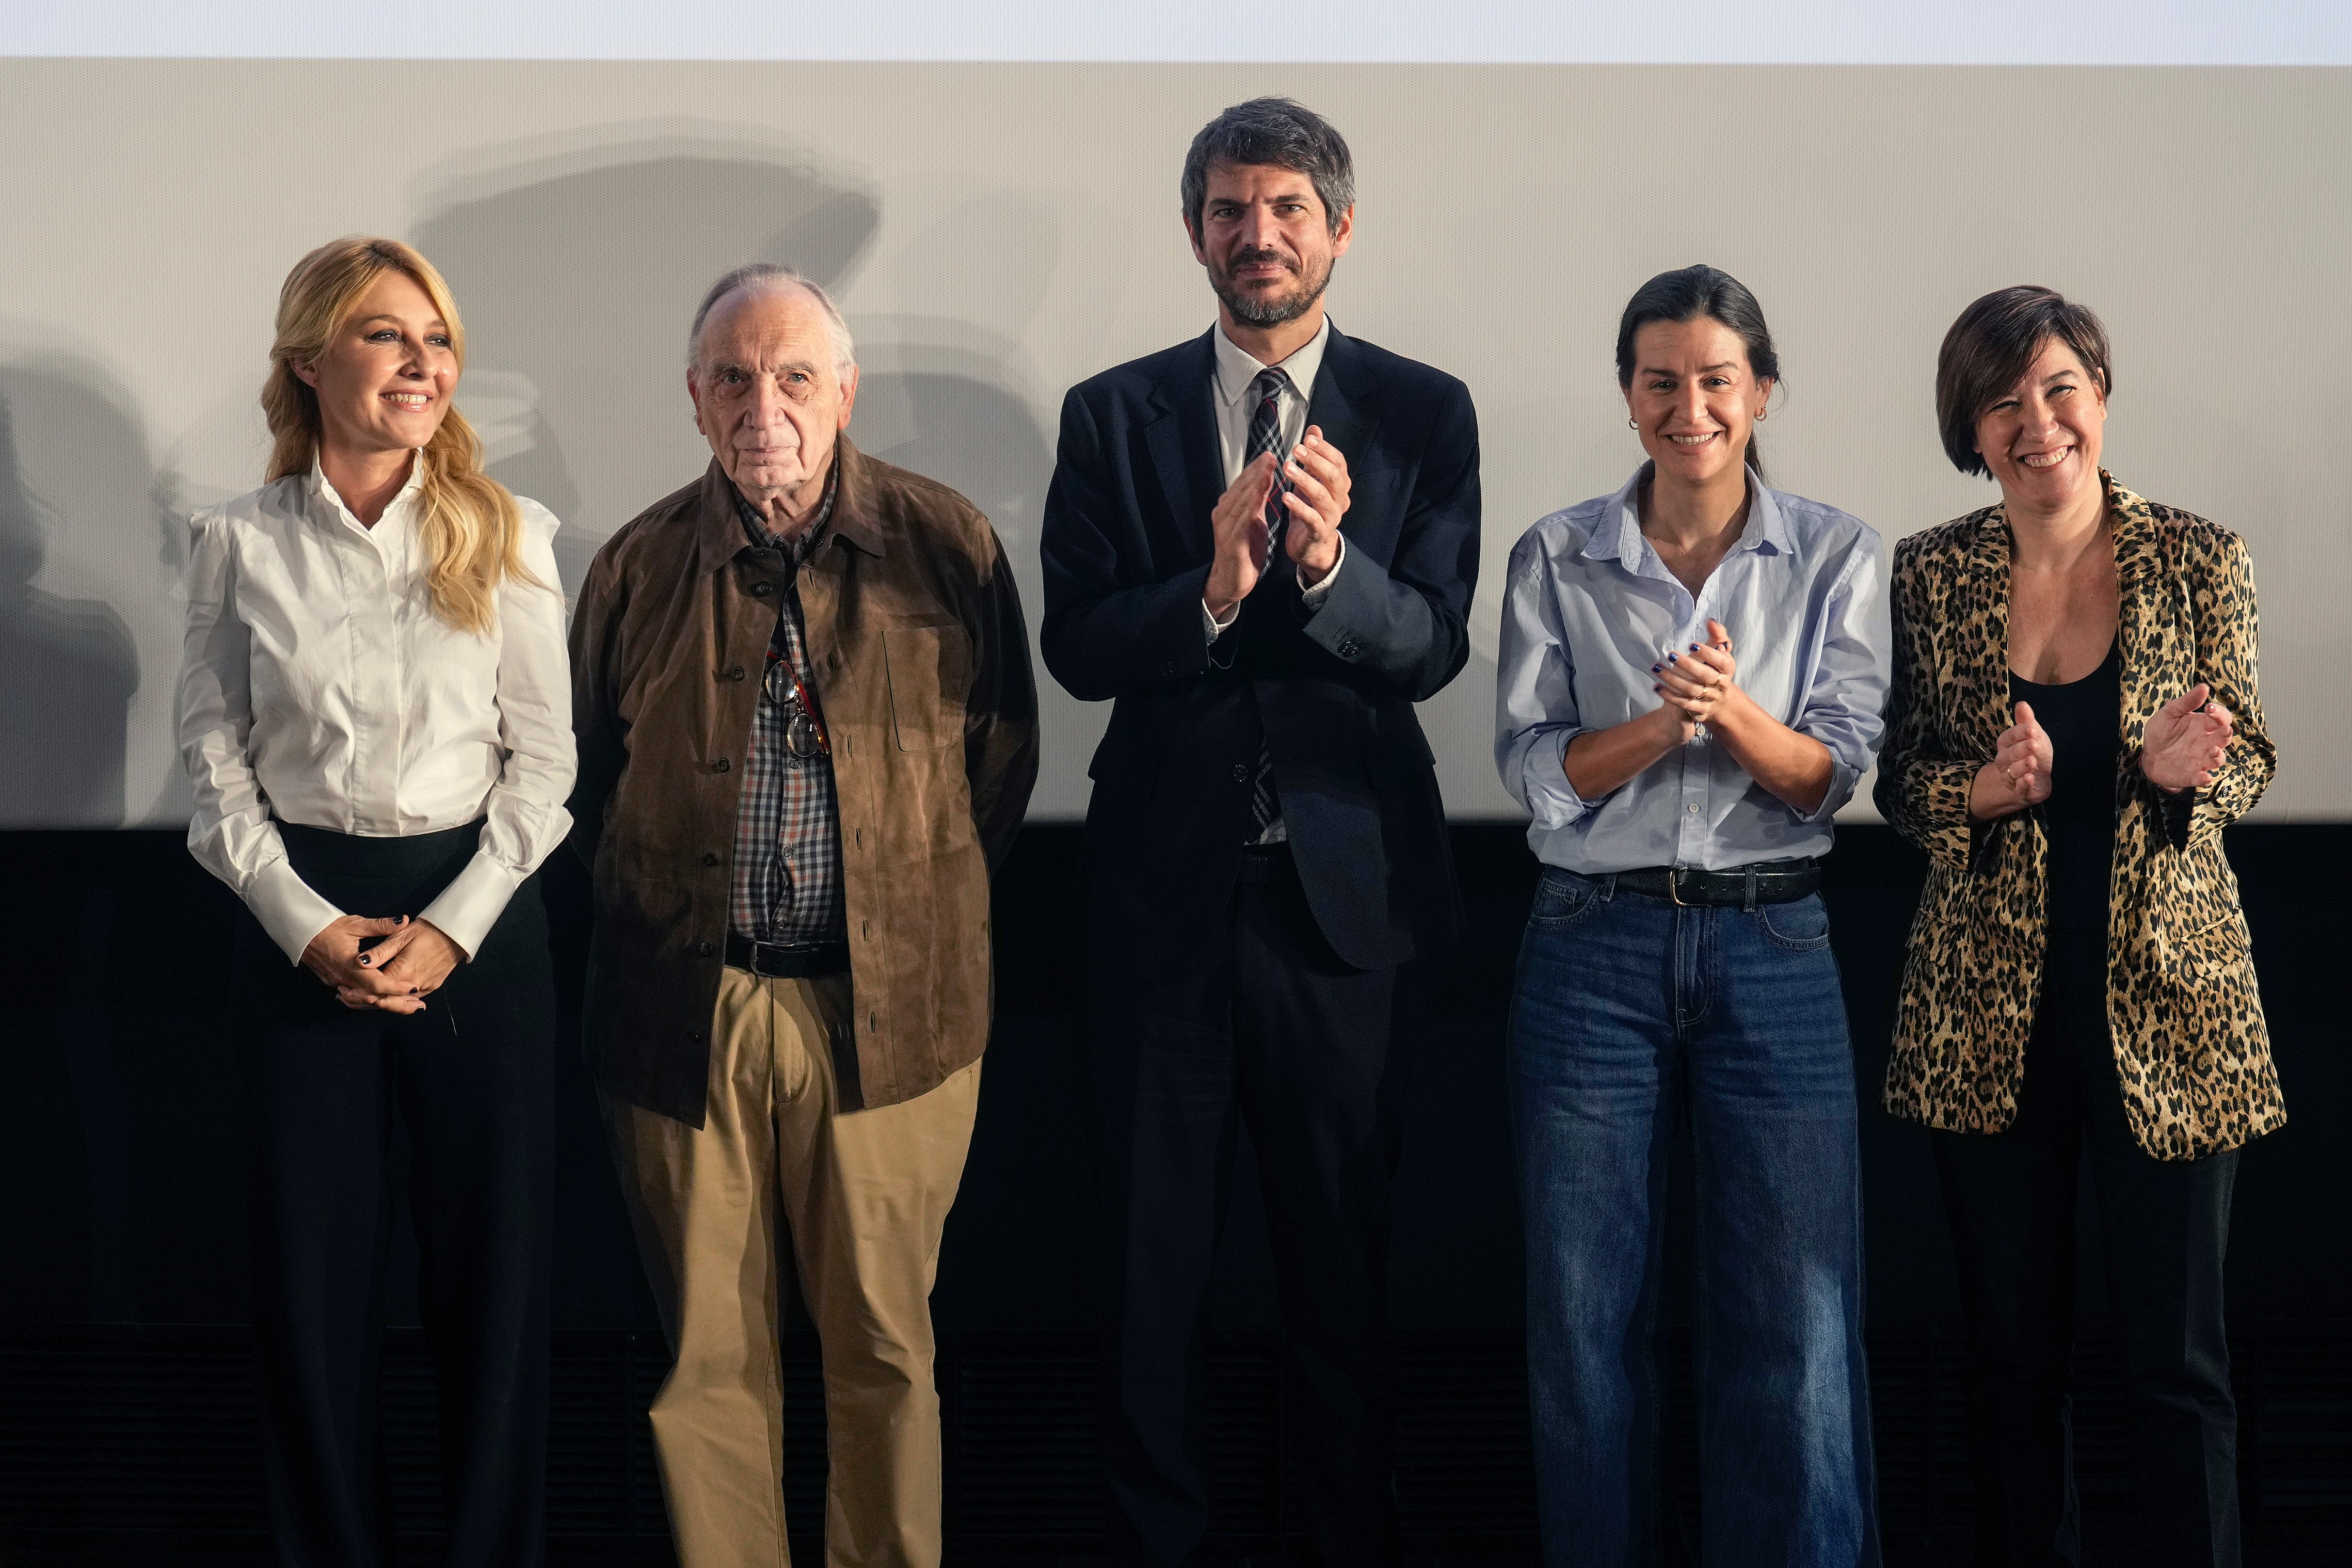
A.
x: 2185, y: 741
x: 2023, y: 757
x: 1697, y: 681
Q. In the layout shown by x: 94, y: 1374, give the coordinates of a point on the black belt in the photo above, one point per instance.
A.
x: 787, y: 960
x: 1765, y: 882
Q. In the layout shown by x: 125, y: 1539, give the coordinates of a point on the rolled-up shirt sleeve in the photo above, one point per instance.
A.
x: 524, y: 816
x: 1844, y: 707
x: 1535, y: 695
x: 230, y: 831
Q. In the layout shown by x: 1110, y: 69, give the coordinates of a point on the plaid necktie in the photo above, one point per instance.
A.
x: 1265, y: 436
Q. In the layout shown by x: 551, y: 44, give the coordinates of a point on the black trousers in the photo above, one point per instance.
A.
x: 471, y: 1079
x: 2163, y: 1228
x: 1272, y: 1030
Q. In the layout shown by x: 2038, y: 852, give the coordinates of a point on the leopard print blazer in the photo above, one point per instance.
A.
x: 2191, y: 1049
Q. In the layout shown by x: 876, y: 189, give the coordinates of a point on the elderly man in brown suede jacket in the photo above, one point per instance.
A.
x: 807, y: 734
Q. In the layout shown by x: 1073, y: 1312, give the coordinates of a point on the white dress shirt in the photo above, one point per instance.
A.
x: 1237, y: 368
x: 1587, y: 606
x: 320, y: 688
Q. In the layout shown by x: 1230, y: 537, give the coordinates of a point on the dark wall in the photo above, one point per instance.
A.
x: 121, y: 1142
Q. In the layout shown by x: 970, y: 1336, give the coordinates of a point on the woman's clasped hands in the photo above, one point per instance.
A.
x: 391, y: 963
x: 1698, y: 680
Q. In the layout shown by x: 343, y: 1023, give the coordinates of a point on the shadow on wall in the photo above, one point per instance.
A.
x: 71, y: 463
x: 579, y: 267
x: 578, y: 271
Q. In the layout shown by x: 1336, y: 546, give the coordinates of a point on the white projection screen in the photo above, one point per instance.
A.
x: 993, y: 199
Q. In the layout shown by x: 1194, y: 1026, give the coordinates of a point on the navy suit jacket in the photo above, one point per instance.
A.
x: 1127, y: 548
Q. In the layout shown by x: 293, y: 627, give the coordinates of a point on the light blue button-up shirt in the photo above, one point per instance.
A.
x: 1589, y: 608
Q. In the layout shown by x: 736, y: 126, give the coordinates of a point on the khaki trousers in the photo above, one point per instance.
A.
x: 863, y: 1196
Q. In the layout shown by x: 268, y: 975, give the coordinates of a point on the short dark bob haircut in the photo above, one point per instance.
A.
x: 1276, y: 132
x: 1685, y: 295
x: 1991, y: 348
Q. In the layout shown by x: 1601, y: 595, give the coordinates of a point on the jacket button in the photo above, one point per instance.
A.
x: 719, y: 766
x: 709, y: 860
x: 1240, y: 772
x: 705, y: 949
x: 762, y: 588
x: 736, y: 673
x: 694, y: 1036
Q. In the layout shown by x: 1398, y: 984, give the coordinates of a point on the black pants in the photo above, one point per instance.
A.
x: 1272, y: 1029
x: 471, y: 1079
x: 2164, y: 1226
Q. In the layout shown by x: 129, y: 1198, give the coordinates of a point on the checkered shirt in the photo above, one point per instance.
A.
x: 787, y: 881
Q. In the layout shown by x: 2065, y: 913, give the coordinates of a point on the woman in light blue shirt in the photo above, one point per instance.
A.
x: 1690, y: 678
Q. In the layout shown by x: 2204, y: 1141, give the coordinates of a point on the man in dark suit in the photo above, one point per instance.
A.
x: 1260, y: 545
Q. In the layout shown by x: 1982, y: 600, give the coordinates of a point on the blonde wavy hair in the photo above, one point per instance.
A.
x: 471, y: 527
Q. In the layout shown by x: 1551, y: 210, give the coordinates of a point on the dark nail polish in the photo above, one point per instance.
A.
x: 1672, y: 656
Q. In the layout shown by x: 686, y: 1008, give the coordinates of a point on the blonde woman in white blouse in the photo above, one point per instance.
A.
x: 375, y: 714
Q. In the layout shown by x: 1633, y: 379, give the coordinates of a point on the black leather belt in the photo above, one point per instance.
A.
x: 786, y: 960
x: 1764, y: 882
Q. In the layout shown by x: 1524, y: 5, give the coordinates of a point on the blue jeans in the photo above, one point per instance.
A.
x: 1628, y: 1014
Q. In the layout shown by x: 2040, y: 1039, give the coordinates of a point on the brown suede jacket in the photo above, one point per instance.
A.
x: 921, y: 664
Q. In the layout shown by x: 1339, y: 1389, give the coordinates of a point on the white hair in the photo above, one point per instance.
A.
x: 764, y: 274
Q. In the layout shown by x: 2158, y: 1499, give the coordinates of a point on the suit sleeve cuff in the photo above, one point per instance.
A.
x: 468, y: 907
x: 288, y: 909
x: 1312, y: 598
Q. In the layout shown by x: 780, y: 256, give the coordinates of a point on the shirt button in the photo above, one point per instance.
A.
x: 1692, y: 809
x: 709, y: 860
x: 720, y: 767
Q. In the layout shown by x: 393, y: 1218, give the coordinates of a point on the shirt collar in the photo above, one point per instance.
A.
x: 1237, y: 367
x: 323, y: 494
x: 802, y: 545
x: 1617, y: 533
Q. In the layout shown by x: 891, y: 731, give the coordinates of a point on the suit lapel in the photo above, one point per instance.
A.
x: 1183, y: 440
x: 2143, y: 591
x: 1981, y: 641
x: 1346, y: 403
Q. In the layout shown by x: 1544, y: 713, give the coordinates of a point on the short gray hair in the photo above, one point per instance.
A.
x: 1277, y: 131
x: 764, y: 274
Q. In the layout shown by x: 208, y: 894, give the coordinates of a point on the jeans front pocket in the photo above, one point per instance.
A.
x: 1801, y: 925
x: 1562, y: 898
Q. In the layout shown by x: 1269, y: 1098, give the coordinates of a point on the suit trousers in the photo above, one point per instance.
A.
x: 2164, y: 1226
x: 1268, y: 1029
x: 865, y: 1196
x: 471, y: 1080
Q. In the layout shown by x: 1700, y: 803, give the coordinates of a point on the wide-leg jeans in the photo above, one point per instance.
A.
x: 1629, y: 1014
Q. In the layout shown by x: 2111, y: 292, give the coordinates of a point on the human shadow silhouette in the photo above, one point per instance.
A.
x: 578, y: 272
x: 69, y: 666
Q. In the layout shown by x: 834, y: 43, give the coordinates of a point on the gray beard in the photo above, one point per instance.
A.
x: 1261, y: 311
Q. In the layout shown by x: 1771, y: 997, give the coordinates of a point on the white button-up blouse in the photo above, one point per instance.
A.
x: 320, y: 688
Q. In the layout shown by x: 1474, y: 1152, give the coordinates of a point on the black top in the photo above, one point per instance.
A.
x: 2084, y: 720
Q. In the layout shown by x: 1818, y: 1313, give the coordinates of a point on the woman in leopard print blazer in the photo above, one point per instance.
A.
x: 2073, y: 721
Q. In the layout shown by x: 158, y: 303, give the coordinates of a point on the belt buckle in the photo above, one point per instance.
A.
x: 759, y: 956
x: 1673, y: 894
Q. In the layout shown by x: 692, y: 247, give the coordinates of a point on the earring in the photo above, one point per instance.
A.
x: 1762, y: 414
x: 1631, y: 423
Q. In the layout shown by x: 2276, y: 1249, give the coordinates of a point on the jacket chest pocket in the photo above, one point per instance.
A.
x: 931, y: 674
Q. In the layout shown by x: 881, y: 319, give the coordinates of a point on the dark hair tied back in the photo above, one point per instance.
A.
x: 1687, y: 294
